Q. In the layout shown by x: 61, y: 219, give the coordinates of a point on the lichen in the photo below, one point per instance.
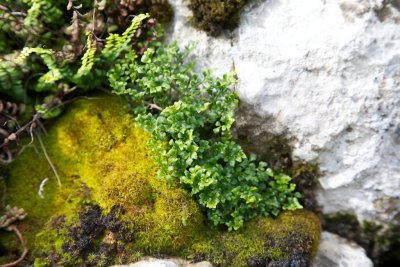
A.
x: 215, y: 16
x: 112, y: 207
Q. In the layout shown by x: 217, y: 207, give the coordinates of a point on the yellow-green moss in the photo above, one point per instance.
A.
x: 105, y: 166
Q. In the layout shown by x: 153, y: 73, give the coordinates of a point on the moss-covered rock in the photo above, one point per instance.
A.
x: 112, y: 208
x: 215, y: 16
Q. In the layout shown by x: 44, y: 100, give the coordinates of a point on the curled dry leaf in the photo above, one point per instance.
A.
x: 11, y: 215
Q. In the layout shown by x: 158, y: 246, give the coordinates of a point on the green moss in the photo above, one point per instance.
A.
x: 215, y: 16
x: 263, y: 240
x: 113, y: 208
x: 39, y: 262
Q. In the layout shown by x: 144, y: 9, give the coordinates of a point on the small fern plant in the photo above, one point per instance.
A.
x: 189, y: 117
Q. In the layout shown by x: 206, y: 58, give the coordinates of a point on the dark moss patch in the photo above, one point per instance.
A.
x: 269, y: 147
x: 343, y: 224
x: 215, y: 16
x: 385, y: 12
x: 305, y: 176
x: 90, y: 240
x: 381, y: 243
x: 119, y: 11
x: 277, y: 151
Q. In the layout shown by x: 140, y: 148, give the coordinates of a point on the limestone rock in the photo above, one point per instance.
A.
x: 327, y: 74
x: 173, y: 262
x: 151, y: 263
x: 335, y: 251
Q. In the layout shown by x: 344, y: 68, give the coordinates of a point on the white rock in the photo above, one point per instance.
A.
x: 327, y: 74
x: 151, y: 263
x: 335, y: 251
x: 172, y: 262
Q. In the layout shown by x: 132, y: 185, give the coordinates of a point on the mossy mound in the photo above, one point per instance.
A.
x: 112, y: 208
x: 215, y: 16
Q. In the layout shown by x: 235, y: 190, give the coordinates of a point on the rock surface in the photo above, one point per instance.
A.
x: 174, y: 262
x: 326, y: 73
x: 335, y: 251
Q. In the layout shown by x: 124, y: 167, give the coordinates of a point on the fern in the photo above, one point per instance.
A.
x: 117, y: 43
x: 189, y: 118
x: 11, y: 77
x: 32, y: 19
x: 88, y: 58
x: 54, y: 74
x: 60, y: 71
x: 42, y: 12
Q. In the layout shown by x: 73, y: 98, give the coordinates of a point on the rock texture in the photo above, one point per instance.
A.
x: 335, y: 251
x: 174, y: 262
x: 327, y: 74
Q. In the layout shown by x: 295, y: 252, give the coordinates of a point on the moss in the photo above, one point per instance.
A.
x: 215, y: 16
x: 263, y: 240
x: 112, y: 207
x: 305, y: 176
x: 42, y: 262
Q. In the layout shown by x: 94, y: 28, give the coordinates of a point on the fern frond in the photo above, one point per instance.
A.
x: 88, y: 58
x: 116, y: 43
x: 11, y: 80
x: 45, y: 54
x: 53, y: 75
x: 32, y: 18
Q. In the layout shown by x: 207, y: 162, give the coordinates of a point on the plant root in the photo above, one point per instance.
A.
x: 24, y: 253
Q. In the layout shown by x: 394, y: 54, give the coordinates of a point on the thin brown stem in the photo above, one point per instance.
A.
x: 25, y: 249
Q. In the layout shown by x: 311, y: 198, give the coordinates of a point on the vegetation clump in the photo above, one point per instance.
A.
x: 215, y: 16
x: 120, y: 189
x: 110, y: 212
x: 62, y: 25
x: 189, y: 118
x: 41, y: 44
